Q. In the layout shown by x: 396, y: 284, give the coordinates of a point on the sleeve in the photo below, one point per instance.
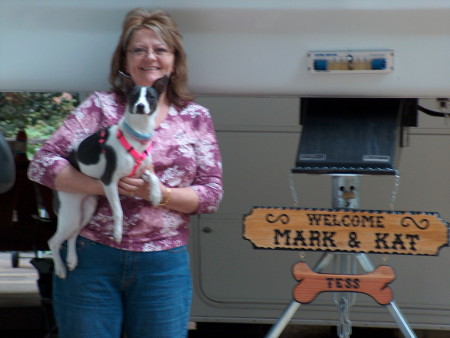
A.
x: 50, y: 160
x: 208, y: 180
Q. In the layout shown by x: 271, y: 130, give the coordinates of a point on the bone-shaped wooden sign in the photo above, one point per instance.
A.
x: 374, y: 284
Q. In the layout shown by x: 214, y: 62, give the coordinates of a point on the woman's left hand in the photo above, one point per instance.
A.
x: 134, y: 187
x: 183, y: 200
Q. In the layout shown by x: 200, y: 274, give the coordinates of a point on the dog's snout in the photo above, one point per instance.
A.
x: 140, y: 108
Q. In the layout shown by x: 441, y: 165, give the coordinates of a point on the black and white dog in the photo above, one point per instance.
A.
x: 108, y: 155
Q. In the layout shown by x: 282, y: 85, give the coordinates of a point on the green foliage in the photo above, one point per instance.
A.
x: 40, y: 114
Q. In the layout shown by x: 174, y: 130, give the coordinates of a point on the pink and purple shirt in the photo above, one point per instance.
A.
x: 185, y: 153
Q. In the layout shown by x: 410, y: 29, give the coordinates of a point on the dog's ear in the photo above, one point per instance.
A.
x: 161, y: 84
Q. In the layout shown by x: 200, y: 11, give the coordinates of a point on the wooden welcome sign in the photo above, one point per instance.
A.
x: 374, y: 284
x: 347, y: 230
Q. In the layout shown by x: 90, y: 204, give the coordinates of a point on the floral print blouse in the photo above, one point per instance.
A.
x: 185, y: 153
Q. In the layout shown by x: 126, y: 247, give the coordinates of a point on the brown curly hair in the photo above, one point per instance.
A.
x: 165, y: 27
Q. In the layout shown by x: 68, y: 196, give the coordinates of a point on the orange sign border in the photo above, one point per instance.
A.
x: 346, y: 230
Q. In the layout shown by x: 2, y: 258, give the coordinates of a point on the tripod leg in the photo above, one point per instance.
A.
x: 283, y: 321
x: 401, y: 321
x: 290, y: 311
x: 324, y: 261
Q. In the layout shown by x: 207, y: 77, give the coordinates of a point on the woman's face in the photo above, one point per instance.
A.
x: 148, y: 57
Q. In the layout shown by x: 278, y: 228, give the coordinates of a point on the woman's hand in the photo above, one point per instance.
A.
x: 183, y: 200
x: 134, y: 187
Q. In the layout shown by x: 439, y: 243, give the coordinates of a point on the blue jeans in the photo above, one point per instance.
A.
x: 114, y: 292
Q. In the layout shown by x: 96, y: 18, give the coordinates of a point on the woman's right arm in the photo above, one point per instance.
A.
x: 71, y: 180
x: 50, y: 166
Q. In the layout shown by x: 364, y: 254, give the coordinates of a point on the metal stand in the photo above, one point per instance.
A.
x: 345, y: 195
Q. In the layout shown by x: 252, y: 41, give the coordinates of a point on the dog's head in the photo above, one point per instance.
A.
x: 144, y: 100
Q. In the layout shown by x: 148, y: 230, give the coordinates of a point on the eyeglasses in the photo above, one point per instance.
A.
x: 142, y: 52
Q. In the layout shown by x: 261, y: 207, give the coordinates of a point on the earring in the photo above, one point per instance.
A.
x: 166, y: 83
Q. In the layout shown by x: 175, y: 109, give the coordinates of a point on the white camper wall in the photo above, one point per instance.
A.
x: 236, y: 282
x: 245, y: 47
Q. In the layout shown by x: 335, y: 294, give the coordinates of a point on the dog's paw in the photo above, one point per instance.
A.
x: 155, y: 192
x: 146, y: 176
x: 60, y: 271
x: 72, y: 263
x: 118, y: 236
x: 156, y: 196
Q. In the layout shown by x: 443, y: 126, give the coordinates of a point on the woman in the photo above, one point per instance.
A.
x: 142, y: 286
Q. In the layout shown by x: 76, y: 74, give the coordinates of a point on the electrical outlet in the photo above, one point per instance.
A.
x: 443, y: 103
